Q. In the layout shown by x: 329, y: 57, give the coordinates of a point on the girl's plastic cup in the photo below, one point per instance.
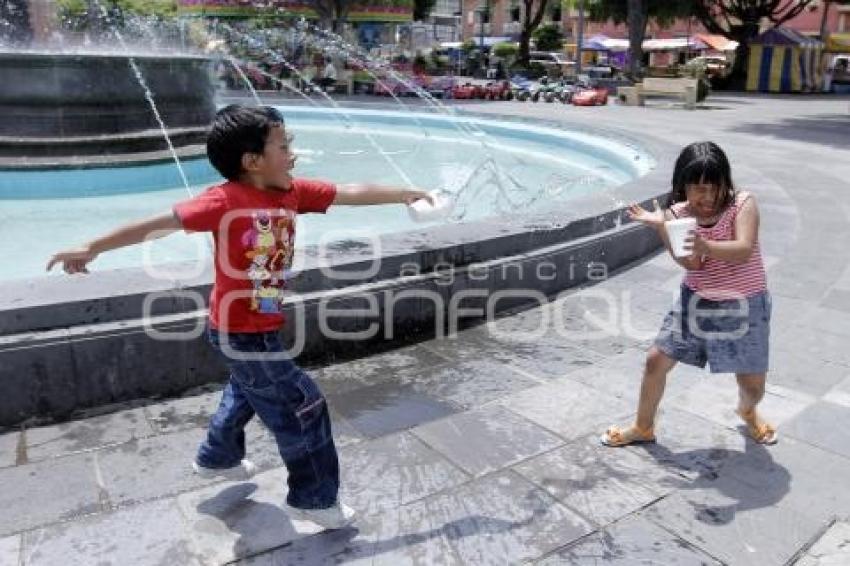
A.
x: 677, y: 231
x: 422, y: 210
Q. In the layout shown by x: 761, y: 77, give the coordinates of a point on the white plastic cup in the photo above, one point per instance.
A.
x: 423, y: 211
x: 678, y: 230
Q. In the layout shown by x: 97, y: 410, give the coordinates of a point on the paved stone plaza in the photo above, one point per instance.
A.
x: 482, y: 448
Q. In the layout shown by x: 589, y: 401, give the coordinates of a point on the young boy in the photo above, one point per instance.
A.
x: 252, y: 218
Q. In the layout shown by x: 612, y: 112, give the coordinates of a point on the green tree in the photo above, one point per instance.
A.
x: 741, y: 21
x: 548, y: 38
x: 15, y: 23
x: 636, y: 15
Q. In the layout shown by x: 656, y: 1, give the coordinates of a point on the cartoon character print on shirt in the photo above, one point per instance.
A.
x: 269, y: 246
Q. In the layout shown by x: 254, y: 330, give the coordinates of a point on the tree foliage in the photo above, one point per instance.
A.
x: 548, y: 38
x: 741, y: 21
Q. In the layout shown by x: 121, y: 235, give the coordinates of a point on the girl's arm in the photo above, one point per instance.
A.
x: 740, y: 249
x: 655, y: 220
x: 74, y: 260
x: 367, y: 193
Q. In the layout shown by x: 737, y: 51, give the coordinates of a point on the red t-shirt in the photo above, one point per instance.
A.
x: 254, y: 233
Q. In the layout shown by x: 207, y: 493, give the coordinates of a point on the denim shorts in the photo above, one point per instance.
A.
x: 732, y: 336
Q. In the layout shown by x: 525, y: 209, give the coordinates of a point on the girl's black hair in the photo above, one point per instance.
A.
x: 237, y: 130
x: 703, y: 163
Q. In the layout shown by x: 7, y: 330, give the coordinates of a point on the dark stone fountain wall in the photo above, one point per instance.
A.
x: 75, y: 105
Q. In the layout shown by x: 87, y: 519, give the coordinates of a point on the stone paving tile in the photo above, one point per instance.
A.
x: 393, y: 471
x: 635, y: 540
x: 503, y: 519
x: 10, y: 550
x: 150, y: 534
x: 499, y: 437
x: 520, y: 343
x: 803, y: 477
x: 823, y: 424
x: 150, y: 468
x: 45, y: 492
x: 837, y: 300
x: 398, y: 366
x: 374, y: 541
x: 692, y: 446
x: 716, y: 399
x: 569, y: 408
x: 794, y: 369
x: 822, y: 346
x: 470, y: 384
x: 840, y: 394
x: 736, y: 522
x: 600, y: 482
x: 621, y: 376
x: 500, y: 519
x: 9, y: 448
x: 183, y: 414
x: 832, y: 549
x: 229, y: 520
x: 76, y: 436
x: 788, y: 312
x: 377, y: 410
x: 832, y: 321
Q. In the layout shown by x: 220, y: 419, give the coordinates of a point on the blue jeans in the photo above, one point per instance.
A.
x: 263, y: 380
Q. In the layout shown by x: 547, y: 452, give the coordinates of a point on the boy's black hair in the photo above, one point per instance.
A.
x: 237, y: 130
x: 703, y: 163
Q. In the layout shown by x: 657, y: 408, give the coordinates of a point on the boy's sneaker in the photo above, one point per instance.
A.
x: 335, y: 517
x: 242, y: 471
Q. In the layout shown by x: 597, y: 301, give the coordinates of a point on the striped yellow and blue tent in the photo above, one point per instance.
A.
x: 783, y: 60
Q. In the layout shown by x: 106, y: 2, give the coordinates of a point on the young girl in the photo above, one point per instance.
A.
x: 723, y: 314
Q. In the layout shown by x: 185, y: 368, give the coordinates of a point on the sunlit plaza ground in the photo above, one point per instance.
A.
x: 482, y: 448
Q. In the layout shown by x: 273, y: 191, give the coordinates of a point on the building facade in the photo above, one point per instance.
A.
x: 502, y: 19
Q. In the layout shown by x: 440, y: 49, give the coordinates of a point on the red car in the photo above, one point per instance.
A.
x: 498, y: 90
x: 467, y: 91
x: 590, y: 97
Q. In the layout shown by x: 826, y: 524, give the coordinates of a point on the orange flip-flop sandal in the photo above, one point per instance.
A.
x: 760, y: 431
x: 615, y: 436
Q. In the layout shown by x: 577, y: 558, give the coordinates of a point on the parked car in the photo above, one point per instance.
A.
x: 590, y: 96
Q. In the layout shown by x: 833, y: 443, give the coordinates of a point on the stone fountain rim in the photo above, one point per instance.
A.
x: 64, y: 302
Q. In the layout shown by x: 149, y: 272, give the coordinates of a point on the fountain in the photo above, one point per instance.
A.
x: 536, y: 209
x: 89, y: 106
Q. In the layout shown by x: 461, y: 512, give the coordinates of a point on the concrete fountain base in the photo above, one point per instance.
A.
x: 72, y: 343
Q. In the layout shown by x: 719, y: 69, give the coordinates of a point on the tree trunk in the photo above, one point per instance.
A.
x: 824, y: 18
x: 743, y: 34
x: 524, y: 48
x: 637, y: 18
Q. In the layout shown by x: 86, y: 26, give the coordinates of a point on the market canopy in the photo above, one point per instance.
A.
x: 604, y: 43
x: 786, y: 36
x: 717, y: 42
x: 367, y: 11
x: 674, y: 43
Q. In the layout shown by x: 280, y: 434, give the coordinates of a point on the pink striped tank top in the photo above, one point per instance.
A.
x: 719, y: 280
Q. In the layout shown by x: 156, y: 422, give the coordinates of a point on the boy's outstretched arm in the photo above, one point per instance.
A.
x: 74, y: 260
x: 367, y: 193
